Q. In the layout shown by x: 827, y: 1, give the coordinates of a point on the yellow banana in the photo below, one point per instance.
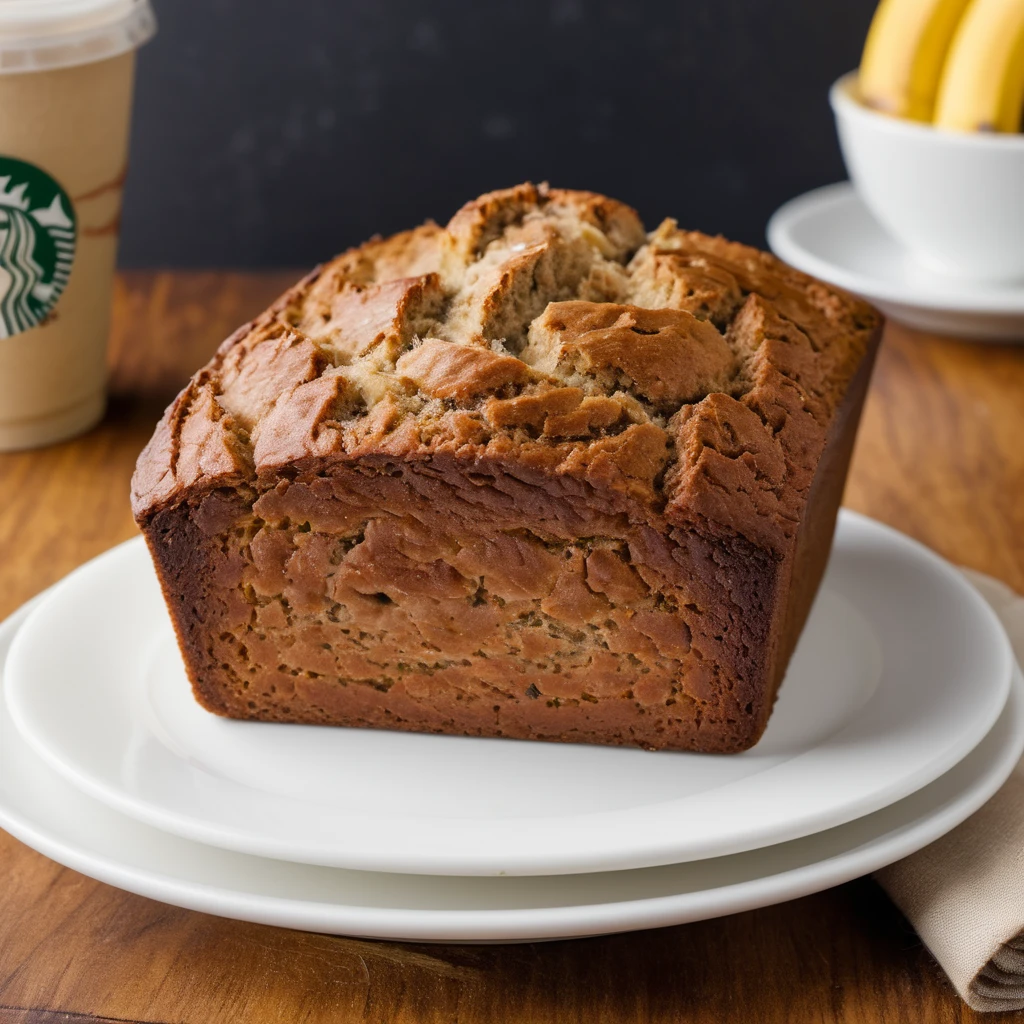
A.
x: 982, y: 86
x: 904, y: 54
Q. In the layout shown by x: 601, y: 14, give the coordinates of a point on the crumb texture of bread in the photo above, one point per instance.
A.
x: 538, y: 474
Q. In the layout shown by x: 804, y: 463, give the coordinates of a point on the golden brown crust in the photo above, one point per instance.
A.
x: 536, y: 454
x: 667, y: 357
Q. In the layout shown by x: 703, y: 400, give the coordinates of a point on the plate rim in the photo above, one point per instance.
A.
x: 535, y: 924
x: 779, y: 233
x: 490, y: 862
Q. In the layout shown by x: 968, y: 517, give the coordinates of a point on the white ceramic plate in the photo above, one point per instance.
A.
x: 830, y: 233
x: 43, y: 810
x: 901, y: 671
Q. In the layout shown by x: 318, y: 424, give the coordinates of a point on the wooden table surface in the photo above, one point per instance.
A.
x: 940, y: 456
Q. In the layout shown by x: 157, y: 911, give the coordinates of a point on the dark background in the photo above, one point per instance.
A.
x: 274, y: 133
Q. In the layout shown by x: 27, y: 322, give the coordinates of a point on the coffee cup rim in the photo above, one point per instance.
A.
x: 44, y: 35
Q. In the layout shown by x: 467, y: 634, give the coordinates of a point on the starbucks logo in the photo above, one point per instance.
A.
x: 37, y: 244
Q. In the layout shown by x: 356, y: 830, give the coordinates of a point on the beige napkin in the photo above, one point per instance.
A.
x: 964, y: 894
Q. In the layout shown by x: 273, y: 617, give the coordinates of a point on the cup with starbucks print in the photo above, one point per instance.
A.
x: 66, y: 75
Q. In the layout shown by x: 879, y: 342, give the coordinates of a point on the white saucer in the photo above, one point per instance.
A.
x: 830, y: 233
x: 46, y: 812
x: 902, y: 670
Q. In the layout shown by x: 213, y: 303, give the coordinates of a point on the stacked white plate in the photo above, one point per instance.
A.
x: 902, y: 712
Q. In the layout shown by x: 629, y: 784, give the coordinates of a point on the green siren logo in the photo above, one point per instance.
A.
x: 37, y: 244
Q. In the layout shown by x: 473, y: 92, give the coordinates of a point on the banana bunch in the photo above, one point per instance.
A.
x: 956, y: 63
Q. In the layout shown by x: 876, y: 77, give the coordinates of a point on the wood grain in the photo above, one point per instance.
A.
x: 939, y: 456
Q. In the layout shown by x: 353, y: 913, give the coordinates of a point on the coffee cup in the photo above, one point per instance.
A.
x: 66, y: 76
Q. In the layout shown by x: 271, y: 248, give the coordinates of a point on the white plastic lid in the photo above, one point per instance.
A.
x: 40, y: 35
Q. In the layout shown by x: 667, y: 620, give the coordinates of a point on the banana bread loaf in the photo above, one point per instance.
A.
x: 536, y: 474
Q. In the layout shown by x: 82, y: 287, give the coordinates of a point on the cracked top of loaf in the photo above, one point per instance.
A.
x: 542, y: 330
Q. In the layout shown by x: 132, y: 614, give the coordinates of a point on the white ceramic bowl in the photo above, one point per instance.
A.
x: 954, y: 199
